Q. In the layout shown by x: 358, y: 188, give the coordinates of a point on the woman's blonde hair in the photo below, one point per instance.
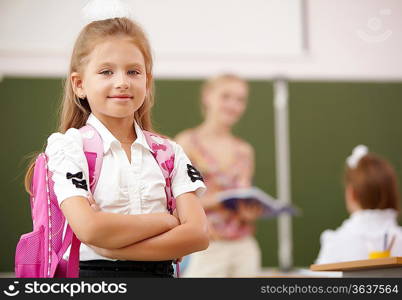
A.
x: 74, y: 111
x: 216, y: 81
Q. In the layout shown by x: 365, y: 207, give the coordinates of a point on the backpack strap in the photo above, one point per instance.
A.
x: 93, y: 149
x: 163, y: 153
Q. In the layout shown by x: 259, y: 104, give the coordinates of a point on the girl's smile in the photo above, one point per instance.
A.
x: 121, y: 98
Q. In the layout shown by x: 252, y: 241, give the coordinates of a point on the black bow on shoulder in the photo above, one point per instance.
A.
x: 193, y: 173
x: 77, y: 175
x: 79, y: 184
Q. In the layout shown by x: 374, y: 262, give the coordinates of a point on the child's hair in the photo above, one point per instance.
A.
x: 215, y: 81
x: 74, y: 111
x: 374, y: 183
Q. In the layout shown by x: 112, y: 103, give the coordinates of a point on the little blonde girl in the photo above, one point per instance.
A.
x: 110, y: 87
x: 372, y: 199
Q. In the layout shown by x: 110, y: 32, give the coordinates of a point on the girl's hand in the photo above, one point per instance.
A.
x: 176, y: 216
x: 93, y: 204
x: 249, y: 212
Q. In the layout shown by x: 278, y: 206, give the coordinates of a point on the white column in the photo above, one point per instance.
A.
x: 283, y: 171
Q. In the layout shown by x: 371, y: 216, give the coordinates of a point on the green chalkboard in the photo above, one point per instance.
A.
x: 326, y: 121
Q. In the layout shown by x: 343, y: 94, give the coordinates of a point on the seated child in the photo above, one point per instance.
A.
x: 372, y: 200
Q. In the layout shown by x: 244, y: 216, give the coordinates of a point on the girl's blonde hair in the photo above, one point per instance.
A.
x: 74, y: 111
x: 216, y: 81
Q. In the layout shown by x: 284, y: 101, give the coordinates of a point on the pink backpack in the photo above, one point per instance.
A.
x: 40, y: 253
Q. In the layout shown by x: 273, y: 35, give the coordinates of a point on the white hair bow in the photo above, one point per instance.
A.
x: 97, y: 10
x: 357, y: 154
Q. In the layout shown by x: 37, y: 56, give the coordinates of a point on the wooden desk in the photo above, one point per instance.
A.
x: 379, y: 267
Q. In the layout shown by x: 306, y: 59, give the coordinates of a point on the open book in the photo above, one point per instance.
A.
x: 272, y: 207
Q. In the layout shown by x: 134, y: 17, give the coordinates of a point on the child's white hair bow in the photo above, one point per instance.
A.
x: 96, y: 10
x: 357, y: 154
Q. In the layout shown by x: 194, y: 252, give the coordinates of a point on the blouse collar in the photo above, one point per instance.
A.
x: 108, y: 138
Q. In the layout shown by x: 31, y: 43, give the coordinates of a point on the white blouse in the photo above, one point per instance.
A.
x: 360, y: 234
x: 123, y: 187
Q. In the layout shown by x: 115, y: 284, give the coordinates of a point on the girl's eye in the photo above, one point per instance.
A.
x: 133, y: 72
x: 106, y: 72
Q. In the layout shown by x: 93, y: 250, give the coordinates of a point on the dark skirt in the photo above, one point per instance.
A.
x: 120, y: 268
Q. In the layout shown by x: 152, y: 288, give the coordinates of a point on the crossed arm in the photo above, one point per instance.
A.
x: 110, y: 230
x: 156, y: 236
x: 190, y: 236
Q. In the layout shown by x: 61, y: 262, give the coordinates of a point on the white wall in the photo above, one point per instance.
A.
x: 345, y: 39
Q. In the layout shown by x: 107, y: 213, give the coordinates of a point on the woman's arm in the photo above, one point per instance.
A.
x: 248, y: 213
x: 248, y: 172
x: 208, y: 200
x: 111, y: 230
x: 190, y: 236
